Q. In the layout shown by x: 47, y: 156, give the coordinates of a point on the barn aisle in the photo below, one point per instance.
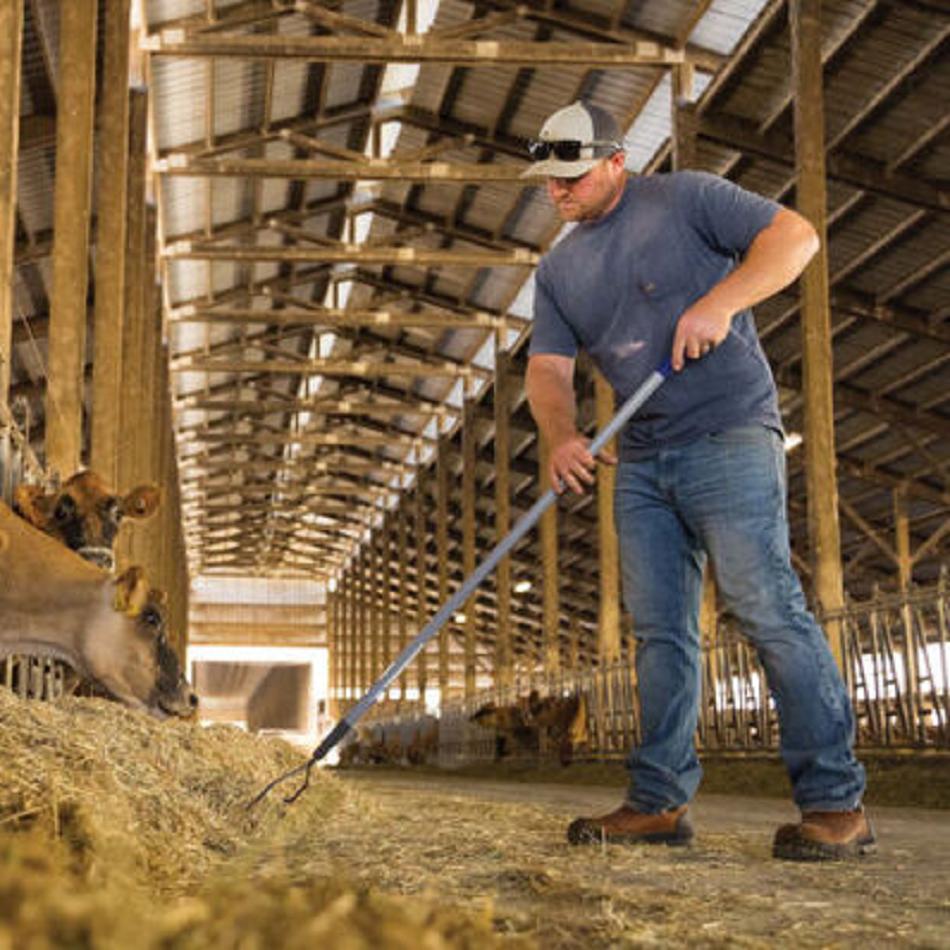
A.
x: 484, y: 840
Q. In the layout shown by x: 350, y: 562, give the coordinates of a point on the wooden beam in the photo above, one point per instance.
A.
x: 355, y: 253
x: 858, y: 172
x: 73, y: 192
x: 11, y: 42
x: 400, y: 48
x: 820, y: 476
x: 327, y: 367
x: 181, y: 165
x: 329, y: 317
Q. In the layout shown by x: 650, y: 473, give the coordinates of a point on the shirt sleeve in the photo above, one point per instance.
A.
x: 726, y: 216
x: 551, y: 333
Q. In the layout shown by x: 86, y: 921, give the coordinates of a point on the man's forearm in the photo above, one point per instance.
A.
x: 550, y: 391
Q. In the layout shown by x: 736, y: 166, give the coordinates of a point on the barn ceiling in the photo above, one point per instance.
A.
x: 343, y: 243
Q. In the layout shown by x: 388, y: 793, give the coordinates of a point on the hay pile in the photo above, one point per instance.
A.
x: 120, y: 831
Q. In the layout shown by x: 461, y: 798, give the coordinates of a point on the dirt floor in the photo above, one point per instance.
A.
x: 501, y: 844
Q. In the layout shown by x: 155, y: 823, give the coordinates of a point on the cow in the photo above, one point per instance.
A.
x: 110, y: 630
x: 536, y: 724
x: 84, y: 514
x: 513, y: 732
x: 561, y: 722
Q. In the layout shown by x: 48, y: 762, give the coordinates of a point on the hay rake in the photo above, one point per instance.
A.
x: 527, y: 521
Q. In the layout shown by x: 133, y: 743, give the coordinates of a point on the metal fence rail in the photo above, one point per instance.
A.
x: 898, y: 653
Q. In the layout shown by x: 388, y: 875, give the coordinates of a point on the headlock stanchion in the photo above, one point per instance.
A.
x: 521, y: 528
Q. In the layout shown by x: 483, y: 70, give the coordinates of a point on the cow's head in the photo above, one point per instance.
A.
x: 84, y: 514
x: 135, y: 662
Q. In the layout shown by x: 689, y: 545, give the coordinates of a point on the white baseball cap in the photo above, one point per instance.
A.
x: 572, y: 141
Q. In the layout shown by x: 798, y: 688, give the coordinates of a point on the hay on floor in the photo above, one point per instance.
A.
x: 117, y: 830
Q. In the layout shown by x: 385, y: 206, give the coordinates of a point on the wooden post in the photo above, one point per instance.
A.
x: 905, y: 570
x: 504, y: 658
x: 442, y: 549
x: 332, y: 651
x: 133, y: 290
x: 402, y: 544
x: 386, y: 544
x: 71, y: 217
x: 374, y: 596
x: 469, y: 501
x: 608, y: 642
x: 684, y: 117
x: 422, y: 608
x: 11, y: 42
x: 818, y: 379
x: 574, y: 649
x: 353, y: 586
x: 709, y: 634
x: 113, y: 141
x: 365, y: 594
x: 551, y: 607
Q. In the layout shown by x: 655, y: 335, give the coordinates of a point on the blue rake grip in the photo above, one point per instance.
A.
x: 527, y: 521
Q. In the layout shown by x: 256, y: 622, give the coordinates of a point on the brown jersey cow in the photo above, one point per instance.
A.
x: 111, y: 630
x: 84, y: 514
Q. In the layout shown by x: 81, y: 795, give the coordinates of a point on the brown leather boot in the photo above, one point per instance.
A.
x: 826, y: 836
x: 626, y: 825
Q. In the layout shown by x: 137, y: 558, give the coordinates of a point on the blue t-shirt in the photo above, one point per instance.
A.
x: 616, y: 287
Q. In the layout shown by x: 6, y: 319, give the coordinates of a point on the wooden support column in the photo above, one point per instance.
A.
x: 333, y: 652
x: 709, y: 630
x: 133, y: 290
x: 422, y: 608
x: 354, y: 618
x: 113, y: 150
x: 11, y: 42
x: 819, y: 435
x: 685, y: 123
x: 551, y: 607
x: 365, y: 595
x: 402, y: 545
x: 504, y: 656
x: 442, y: 549
x: 608, y: 628
x: 574, y: 645
x: 469, y: 499
x: 905, y: 569
x: 386, y: 545
x: 71, y: 219
x: 374, y: 595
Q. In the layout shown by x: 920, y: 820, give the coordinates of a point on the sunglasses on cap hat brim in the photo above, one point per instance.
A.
x: 570, y: 150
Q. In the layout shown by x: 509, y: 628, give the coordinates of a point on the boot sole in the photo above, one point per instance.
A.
x: 801, y: 849
x: 680, y: 837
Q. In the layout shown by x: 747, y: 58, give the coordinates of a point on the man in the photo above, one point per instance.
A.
x: 667, y: 266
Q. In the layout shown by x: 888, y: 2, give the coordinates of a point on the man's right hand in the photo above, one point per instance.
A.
x: 573, y: 467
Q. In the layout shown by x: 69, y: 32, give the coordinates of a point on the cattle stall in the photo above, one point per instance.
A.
x: 898, y: 650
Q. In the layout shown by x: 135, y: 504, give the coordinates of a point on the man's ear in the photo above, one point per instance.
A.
x: 141, y: 502
x: 30, y: 502
x: 131, y: 591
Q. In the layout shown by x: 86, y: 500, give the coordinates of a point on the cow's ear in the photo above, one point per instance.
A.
x: 141, y: 502
x: 131, y: 591
x: 30, y: 502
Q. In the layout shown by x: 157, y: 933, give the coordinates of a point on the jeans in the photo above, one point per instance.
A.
x: 724, y: 496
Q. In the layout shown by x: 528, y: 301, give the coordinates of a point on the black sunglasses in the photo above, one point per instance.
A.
x: 569, y: 150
